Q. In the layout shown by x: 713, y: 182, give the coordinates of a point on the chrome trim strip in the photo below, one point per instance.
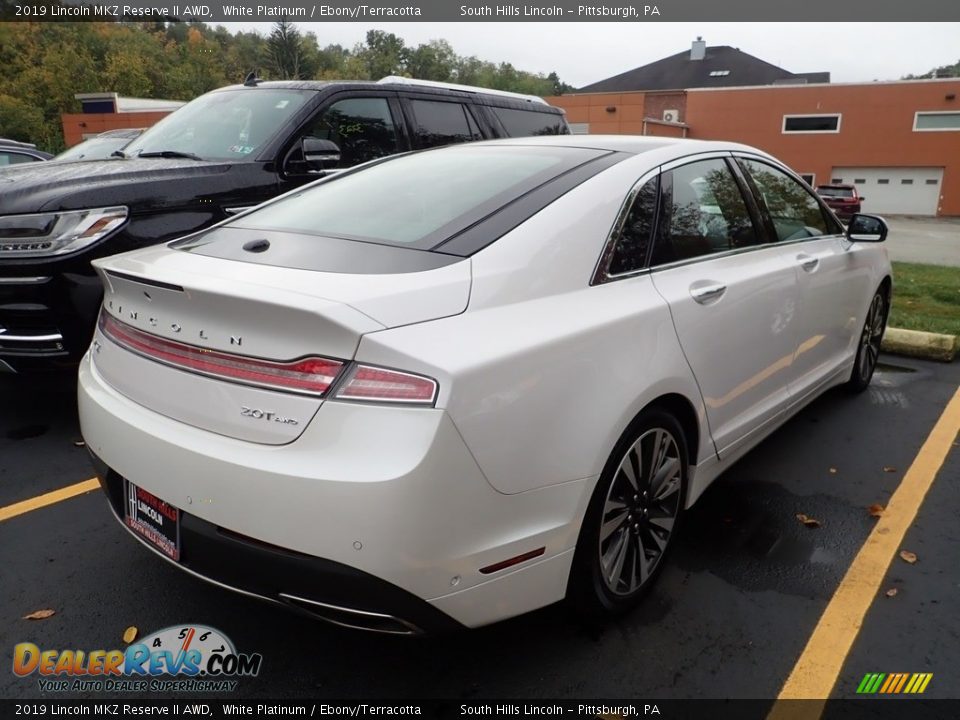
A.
x: 33, y: 280
x: 5, y: 368
x: 56, y: 337
x: 414, y: 630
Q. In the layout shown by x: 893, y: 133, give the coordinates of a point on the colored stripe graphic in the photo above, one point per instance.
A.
x: 894, y: 683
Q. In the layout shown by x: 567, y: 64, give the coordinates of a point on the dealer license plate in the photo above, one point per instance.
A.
x: 154, y: 520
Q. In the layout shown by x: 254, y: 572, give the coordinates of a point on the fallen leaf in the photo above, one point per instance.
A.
x: 79, y: 443
x: 833, y: 471
x: 876, y: 510
x: 808, y: 521
x: 887, y: 468
x: 908, y: 556
x: 40, y: 615
x: 891, y: 592
x: 130, y: 634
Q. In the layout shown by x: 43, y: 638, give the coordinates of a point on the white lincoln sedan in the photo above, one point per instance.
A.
x: 453, y: 386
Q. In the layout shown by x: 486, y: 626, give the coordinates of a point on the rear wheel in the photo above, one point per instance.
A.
x: 868, y: 351
x: 632, y: 517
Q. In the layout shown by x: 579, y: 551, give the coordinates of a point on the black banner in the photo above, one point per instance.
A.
x: 478, y: 11
x: 874, y: 708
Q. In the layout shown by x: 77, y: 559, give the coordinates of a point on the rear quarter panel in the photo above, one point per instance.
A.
x: 542, y: 373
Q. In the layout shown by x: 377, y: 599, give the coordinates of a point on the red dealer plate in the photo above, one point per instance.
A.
x: 154, y: 520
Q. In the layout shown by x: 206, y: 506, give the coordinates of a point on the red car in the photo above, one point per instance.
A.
x: 843, y: 199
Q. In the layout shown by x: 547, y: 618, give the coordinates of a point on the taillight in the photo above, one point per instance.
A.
x: 312, y: 375
x: 374, y: 384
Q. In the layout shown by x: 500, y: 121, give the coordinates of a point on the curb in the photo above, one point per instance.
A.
x: 914, y: 343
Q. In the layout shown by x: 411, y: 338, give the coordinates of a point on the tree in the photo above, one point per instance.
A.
x: 46, y: 64
x: 19, y: 120
x: 435, y: 60
x: 944, y: 71
x: 383, y: 54
x: 285, y: 51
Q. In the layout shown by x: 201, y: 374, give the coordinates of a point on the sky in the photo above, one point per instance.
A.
x: 582, y: 53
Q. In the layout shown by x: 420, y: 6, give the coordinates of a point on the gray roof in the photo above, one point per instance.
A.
x: 679, y: 72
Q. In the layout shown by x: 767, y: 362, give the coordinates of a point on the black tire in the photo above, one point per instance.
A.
x: 592, y: 591
x: 868, y: 346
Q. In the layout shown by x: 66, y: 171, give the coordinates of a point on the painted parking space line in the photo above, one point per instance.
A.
x: 50, y: 498
x: 816, y: 671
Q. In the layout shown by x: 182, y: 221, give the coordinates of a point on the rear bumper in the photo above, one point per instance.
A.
x: 331, y: 591
x: 378, y: 513
x: 845, y: 212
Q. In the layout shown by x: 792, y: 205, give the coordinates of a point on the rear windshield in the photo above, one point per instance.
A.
x: 834, y: 192
x: 418, y: 200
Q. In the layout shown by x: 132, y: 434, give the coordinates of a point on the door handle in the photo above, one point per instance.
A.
x: 705, y: 293
x: 807, y: 262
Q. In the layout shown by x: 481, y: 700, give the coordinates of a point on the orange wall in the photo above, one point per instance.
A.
x: 626, y: 118
x: 876, y: 128
x: 76, y: 125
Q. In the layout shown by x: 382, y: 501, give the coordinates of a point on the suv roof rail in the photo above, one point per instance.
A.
x: 8, y: 141
x: 399, y: 80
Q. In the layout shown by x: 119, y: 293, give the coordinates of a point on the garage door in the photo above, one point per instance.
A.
x: 895, y: 190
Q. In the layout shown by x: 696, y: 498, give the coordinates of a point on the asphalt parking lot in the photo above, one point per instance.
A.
x: 934, y: 241
x: 743, y: 593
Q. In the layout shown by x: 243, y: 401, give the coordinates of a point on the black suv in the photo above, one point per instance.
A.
x: 221, y: 153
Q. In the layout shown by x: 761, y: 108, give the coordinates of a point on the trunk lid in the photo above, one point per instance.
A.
x: 256, y: 311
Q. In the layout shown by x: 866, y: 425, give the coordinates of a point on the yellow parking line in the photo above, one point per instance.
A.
x: 35, y: 503
x: 817, y: 669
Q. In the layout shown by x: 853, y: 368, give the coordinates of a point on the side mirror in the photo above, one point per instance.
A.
x: 866, y: 228
x: 862, y: 198
x: 319, y: 154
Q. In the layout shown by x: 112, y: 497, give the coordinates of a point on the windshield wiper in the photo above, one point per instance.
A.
x: 169, y: 154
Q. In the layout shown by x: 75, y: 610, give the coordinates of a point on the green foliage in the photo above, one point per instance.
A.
x: 944, y: 71
x: 46, y: 64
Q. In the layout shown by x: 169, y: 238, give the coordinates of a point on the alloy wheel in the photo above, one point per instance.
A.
x: 640, y: 511
x: 872, y: 336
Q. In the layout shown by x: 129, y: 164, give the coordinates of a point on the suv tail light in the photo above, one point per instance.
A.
x: 308, y: 376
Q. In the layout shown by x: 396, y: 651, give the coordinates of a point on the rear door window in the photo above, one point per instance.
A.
x: 522, y: 123
x: 704, y: 213
x: 442, y: 123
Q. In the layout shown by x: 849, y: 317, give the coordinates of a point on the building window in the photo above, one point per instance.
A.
x: 859, y: 181
x: 936, y: 121
x: 883, y: 181
x: 836, y: 181
x: 719, y: 73
x: 811, y: 123
x: 906, y: 181
x: 932, y: 181
x: 579, y: 128
x: 808, y: 178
